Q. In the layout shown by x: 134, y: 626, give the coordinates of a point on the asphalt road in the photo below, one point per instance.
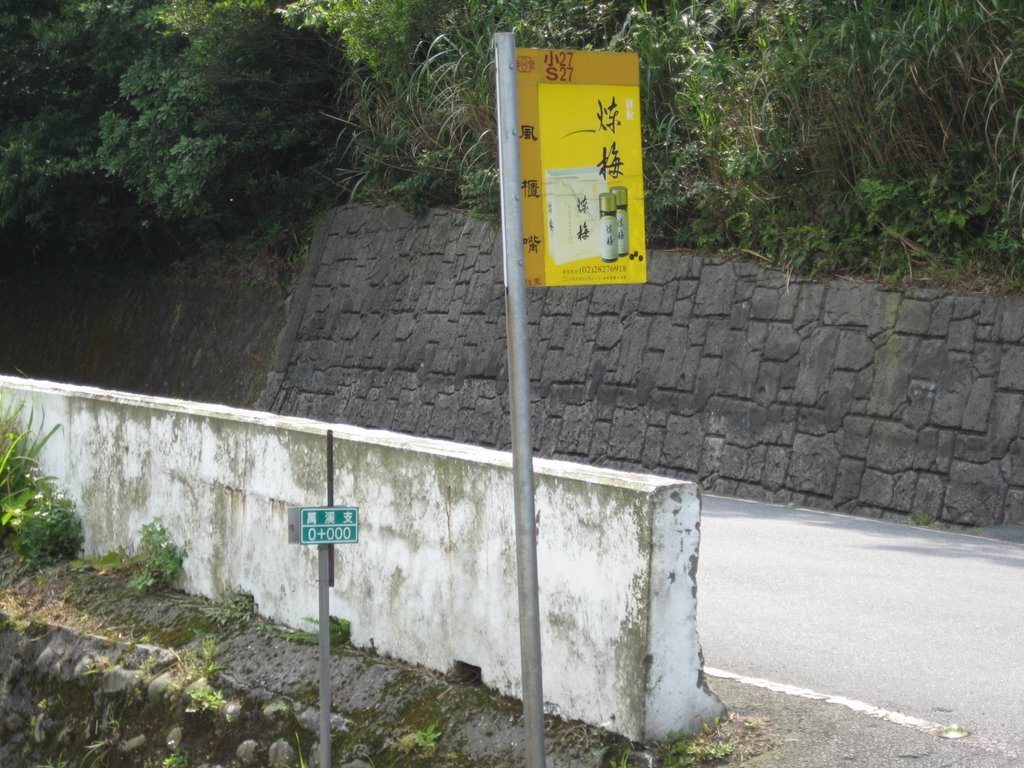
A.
x: 920, y: 622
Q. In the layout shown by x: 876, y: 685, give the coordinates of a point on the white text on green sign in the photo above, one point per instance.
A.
x: 329, y: 525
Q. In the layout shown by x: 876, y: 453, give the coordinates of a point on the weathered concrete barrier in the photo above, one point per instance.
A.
x: 433, y: 577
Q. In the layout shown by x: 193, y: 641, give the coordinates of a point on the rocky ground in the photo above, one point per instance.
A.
x: 94, y: 674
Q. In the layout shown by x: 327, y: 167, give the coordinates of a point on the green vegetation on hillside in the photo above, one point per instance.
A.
x: 138, y: 130
x: 824, y: 136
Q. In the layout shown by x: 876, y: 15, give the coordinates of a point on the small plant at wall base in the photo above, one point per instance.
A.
x: 681, y: 751
x: 158, y: 560
x: 235, y: 610
x: 340, y: 631
x: 205, y: 700
x: 37, y: 520
x: 46, y: 532
x: 19, y: 447
x: 424, y: 741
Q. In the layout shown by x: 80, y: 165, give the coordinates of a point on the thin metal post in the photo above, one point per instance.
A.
x: 519, y: 395
x: 326, y: 562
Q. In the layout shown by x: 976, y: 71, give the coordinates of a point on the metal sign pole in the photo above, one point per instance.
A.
x: 519, y: 395
x: 318, y: 525
x: 326, y: 580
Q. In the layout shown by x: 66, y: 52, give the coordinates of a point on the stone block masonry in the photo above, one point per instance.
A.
x: 838, y: 395
x: 206, y: 338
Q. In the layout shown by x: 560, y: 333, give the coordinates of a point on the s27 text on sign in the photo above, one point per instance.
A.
x: 582, y: 166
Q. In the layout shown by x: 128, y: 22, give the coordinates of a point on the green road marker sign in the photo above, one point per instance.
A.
x: 324, y: 525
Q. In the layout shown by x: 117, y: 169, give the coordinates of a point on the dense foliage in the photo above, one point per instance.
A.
x: 879, y: 137
x: 875, y: 137
x: 135, y: 129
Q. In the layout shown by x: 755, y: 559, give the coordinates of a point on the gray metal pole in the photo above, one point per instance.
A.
x: 519, y: 394
x: 325, y: 657
x: 325, y: 582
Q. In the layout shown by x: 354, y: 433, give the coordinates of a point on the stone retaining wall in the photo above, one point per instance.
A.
x: 839, y: 395
x: 201, y: 338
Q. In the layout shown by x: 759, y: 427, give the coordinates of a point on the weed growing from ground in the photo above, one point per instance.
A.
x: 423, y: 741
x: 681, y: 751
x: 58, y: 762
x: 176, y: 759
x: 195, y: 664
x: 233, y: 611
x: 205, y: 700
x: 159, y: 561
x: 340, y: 632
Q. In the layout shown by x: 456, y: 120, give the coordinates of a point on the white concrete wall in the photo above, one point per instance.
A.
x: 433, y: 577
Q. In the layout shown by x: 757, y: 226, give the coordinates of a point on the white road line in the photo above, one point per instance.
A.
x: 936, y: 729
x: 907, y: 721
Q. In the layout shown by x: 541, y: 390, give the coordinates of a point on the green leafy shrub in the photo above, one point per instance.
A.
x: 158, y: 560
x: 139, y: 129
x: 47, y: 532
x: 383, y: 34
x: 39, y: 521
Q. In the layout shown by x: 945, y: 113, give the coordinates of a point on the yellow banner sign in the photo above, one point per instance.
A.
x: 582, y: 165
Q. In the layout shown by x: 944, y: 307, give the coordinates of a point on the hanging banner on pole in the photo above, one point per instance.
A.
x: 581, y: 163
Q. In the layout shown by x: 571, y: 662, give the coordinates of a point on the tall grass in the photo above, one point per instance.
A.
x: 911, y: 115
x: 429, y: 138
x: 19, y: 449
x: 422, y: 120
x: 868, y: 136
x: 35, y: 518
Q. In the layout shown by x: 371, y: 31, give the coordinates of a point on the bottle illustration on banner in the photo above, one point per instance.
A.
x: 572, y: 212
x: 622, y: 217
x: 609, y: 227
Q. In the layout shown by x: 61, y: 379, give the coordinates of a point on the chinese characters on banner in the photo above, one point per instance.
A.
x: 581, y: 160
